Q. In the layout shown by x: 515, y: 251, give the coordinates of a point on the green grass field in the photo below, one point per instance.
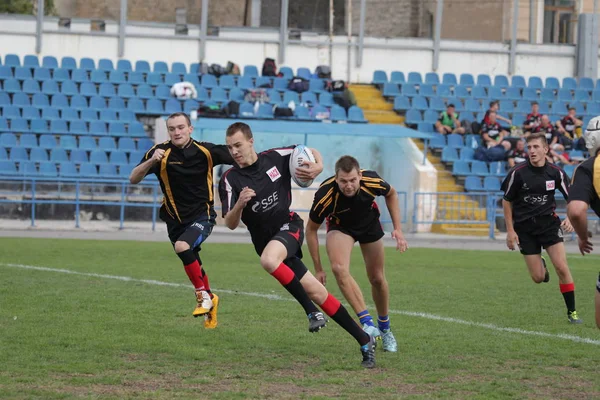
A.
x: 82, y: 336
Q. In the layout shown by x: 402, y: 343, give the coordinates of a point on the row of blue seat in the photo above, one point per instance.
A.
x: 23, y: 76
x: 454, y: 152
x: 74, y: 127
x: 48, y: 169
x: 492, y: 93
x: 88, y: 64
x: 68, y: 142
x: 70, y: 114
x: 535, y: 82
x: 474, y: 184
x: 38, y: 154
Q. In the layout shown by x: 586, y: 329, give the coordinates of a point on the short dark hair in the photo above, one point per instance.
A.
x: 450, y: 105
x: 538, y: 135
x: 493, y: 103
x: 535, y: 103
x: 346, y: 164
x: 571, y: 108
x: 239, y: 127
x: 180, y: 114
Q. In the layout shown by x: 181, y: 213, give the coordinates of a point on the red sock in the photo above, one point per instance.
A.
x: 566, y: 287
x: 331, y: 305
x: 283, y: 274
x: 193, y: 272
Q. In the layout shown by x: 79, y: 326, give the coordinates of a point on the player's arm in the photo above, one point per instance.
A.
x: 152, y: 158
x: 311, y: 170
x: 219, y: 153
x: 234, y: 216
x: 510, y: 187
x: 579, y: 198
x: 501, y: 118
x: 393, y: 206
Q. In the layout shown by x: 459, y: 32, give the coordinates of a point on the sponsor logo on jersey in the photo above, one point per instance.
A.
x: 540, y: 199
x: 549, y: 185
x: 285, y: 227
x: 267, y: 203
x: 198, y: 225
x: 273, y: 174
x: 560, y: 232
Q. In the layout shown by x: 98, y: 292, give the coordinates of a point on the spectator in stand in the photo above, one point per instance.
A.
x: 448, y: 122
x: 494, y: 107
x: 567, y: 127
x: 517, y: 155
x: 492, y: 133
x: 184, y: 90
x: 533, y: 119
x: 546, y: 127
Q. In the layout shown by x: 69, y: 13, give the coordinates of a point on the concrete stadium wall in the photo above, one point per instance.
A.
x: 410, y: 54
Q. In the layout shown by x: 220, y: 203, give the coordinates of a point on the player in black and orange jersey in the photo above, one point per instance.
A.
x: 347, y: 202
x: 184, y: 168
x: 585, y: 193
x: 258, y: 192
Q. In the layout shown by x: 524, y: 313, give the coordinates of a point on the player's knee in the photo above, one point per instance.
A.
x: 537, y: 279
x: 339, y: 270
x: 377, y: 280
x: 269, y: 263
x: 562, y: 270
x: 181, y: 246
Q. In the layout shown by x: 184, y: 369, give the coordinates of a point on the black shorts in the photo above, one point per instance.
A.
x: 193, y: 233
x: 290, y: 234
x: 538, y: 232
x: 598, y: 284
x: 371, y: 233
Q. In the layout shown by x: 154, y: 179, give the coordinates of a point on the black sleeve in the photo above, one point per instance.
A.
x: 155, y: 169
x: 374, y: 183
x: 322, y: 204
x: 219, y: 153
x: 510, y: 185
x: 562, y: 182
x: 582, y: 185
x: 227, y: 193
x: 484, y: 129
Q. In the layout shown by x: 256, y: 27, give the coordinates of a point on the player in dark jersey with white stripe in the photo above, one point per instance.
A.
x: 531, y: 222
x: 347, y: 202
x: 258, y: 192
x: 585, y: 193
x: 184, y: 169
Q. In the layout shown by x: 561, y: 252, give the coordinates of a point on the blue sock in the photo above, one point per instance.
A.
x: 384, y: 322
x: 365, y: 318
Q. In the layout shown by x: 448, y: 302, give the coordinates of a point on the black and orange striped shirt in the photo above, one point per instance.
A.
x: 186, y: 179
x: 354, y: 212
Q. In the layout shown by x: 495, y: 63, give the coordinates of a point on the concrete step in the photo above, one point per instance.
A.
x: 482, y: 230
x: 369, y: 104
x: 382, y: 117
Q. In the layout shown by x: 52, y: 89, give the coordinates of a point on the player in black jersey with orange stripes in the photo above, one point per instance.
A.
x: 258, y: 192
x: 585, y: 193
x: 531, y: 222
x: 347, y: 202
x: 184, y: 168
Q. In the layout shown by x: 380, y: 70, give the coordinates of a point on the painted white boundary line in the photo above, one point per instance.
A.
x: 563, y: 336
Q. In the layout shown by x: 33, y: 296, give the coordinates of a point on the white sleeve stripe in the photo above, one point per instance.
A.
x: 562, y: 182
x: 510, y: 182
x: 229, y: 193
x: 284, y: 152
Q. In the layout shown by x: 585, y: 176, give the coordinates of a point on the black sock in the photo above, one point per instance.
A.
x: 568, y: 292
x: 339, y: 314
x: 290, y: 282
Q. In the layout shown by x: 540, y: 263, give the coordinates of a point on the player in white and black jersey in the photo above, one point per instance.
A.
x: 531, y: 222
x: 258, y: 192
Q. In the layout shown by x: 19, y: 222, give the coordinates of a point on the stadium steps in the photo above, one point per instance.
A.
x: 374, y: 106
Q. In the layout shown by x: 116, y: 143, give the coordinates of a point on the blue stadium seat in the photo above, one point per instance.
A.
x: 479, y: 92
x: 12, y: 85
x: 413, y: 117
x: 80, y: 76
x: 108, y: 171
x: 18, y: 154
x: 136, y: 78
x: 28, y: 168
x: 303, y: 73
x: 432, y: 78
x: 462, y: 92
x: 136, y: 105
x: 444, y: 90
x: 455, y: 140
x: 38, y: 154
x: 427, y: 90
x: 392, y: 90
x: 397, y: 77
x: 61, y: 75
x: 68, y: 63
x: 246, y: 110
x: 467, y: 80
x: 530, y: 94
x: 437, y: 104
x: 68, y: 170
x: 544, y: 108
x: 491, y: 184
x: 145, y: 92
x: 245, y: 82
x: 379, y: 77
x: 307, y: 97
x: 47, y: 142
x: 338, y: 113
x: 8, y: 168
x: 20, y: 100
x: 548, y: 95
x: 98, y: 76
x: 89, y: 115
x: 173, y: 106
x: 592, y: 109
x: 582, y: 95
x: 88, y: 170
x: 98, y: 103
x: 326, y: 99
x: 19, y: 125
x: 291, y: 96
x: 274, y: 96
x: 22, y: 73
x: 160, y: 67
x: 420, y: 103
x: 191, y: 104
x: 518, y: 81
x: 136, y: 129
x: 265, y: 82
x: 437, y: 141
x: 523, y: 106
x: 31, y: 61
x: 172, y: 78
x: 178, y: 68
x: 355, y: 114
x: 50, y: 62
x: 426, y: 127
x: 473, y: 105
x: 479, y: 168
x: 552, y: 83
x: 39, y: 126
x: 126, y: 91
x: 449, y: 79
x: 28, y: 140
x: 498, y: 168
x: 414, y: 78
x: 98, y: 128
x: 506, y: 106
x: 209, y: 81
x: 265, y: 111
x: 302, y: 113
x: 495, y: 93
x: 458, y: 105
x: 98, y: 157
x: 449, y: 154
x: 108, y: 143
x: 314, y: 85
x: 88, y: 89
x: 124, y: 66
x: 251, y: 71
x: 228, y: 81
x: 80, y: 155
x: 154, y: 79
x: 87, y: 64
x: 430, y: 117
x: 154, y: 106
x: 109, y: 115
x: 125, y: 170
x: 126, y: 116
x: 118, y: 157
x: 3, y: 155
x: 127, y: 144
x: 142, y: 66
x: 467, y: 153
x: 484, y: 80
x: 5, y: 72
x: 286, y: 72
x: 42, y: 74
x: 565, y: 95
x: 58, y: 127
x: 144, y: 145
x: 117, y: 77
x: 11, y: 112
x: 107, y: 90
x: 50, y: 87
x: 67, y: 142
x: 535, y: 82
x: 8, y: 139
x: 501, y: 81
x: 12, y: 60
x: 473, y: 183
x: 559, y: 107
x: 512, y: 93
x: 3, y: 125
x: 569, y: 83
x: 163, y: 92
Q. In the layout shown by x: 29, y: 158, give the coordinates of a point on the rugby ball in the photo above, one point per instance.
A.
x: 300, y: 154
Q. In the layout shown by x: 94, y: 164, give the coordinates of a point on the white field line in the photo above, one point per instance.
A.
x: 563, y: 336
